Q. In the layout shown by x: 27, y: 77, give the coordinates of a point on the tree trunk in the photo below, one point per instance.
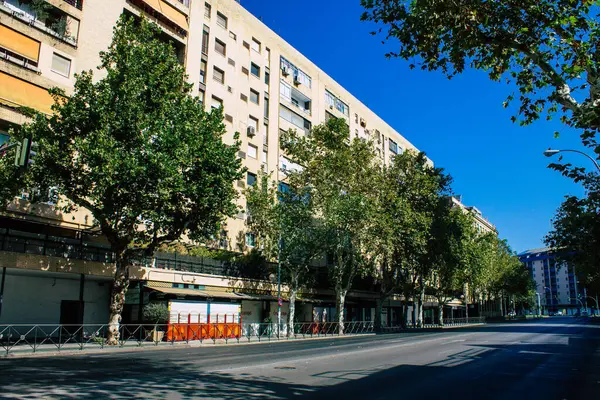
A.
x: 291, y: 316
x: 378, y: 311
x: 441, y: 313
x: 117, y: 300
x: 421, y: 311
x: 340, y: 303
x: 414, y: 311
x: 501, y: 308
x: 405, y: 314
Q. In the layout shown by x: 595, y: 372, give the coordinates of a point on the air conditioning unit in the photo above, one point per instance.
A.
x: 331, y: 107
x: 285, y: 71
x: 251, y: 131
x: 296, y: 80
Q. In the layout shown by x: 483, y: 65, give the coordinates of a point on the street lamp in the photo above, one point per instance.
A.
x: 551, y: 152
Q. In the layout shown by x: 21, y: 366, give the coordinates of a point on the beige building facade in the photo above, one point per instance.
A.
x: 233, y: 60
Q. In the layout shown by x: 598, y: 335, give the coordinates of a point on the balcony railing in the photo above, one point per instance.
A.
x: 76, y: 3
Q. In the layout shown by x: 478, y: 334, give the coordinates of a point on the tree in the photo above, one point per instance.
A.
x: 549, y: 49
x: 409, y: 191
x: 575, y: 236
x: 137, y: 151
x: 338, y: 174
x: 286, y: 230
x: 452, y: 234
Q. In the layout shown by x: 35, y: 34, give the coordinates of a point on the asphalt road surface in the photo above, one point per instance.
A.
x: 558, y: 358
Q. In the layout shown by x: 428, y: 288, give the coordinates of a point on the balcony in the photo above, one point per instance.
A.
x: 55, y: 23
x: 75, y: 3
x: 295, y: 99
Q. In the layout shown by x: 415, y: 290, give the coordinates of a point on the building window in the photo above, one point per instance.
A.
x: 255, y: 45
x: 219, y: 75
x: 220, y: 47
x: 233, y: 35
x: 253, y: 122
x: 299, y: 76
x: 221, y: 20
x: 205, y: 39
x: 202, y: 71
x: 202, y: 95
x: 264, y: 156
x: 268, y: 56
x: 61, y: 65
x: 254, y: 96
x: 333, y: 102
x: 251, y: 179
x: 250, y: 239
x: 216, y: 102
x: 393, y: 147
x: 266, y: 107
x: 255, y: 69
x: 294, y: 118
x: 207, y: 10
x: 267, y: 78
x: 252, y: 151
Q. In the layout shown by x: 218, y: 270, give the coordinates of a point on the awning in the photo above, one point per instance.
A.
x: 15, y: 92
x: 19, y: 43
x: 207, y: 294
x: 170, y: 12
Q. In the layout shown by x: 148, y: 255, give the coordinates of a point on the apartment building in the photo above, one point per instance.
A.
x: 233, y: 60
x: 482, y: 224
x: 557, y: 285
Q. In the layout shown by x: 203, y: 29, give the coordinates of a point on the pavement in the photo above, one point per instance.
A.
x: 556, y: 358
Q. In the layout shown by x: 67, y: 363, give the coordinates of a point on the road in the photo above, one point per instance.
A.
x: 558, y: 358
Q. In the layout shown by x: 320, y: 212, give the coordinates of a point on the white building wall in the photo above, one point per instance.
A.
x: 30, y: 299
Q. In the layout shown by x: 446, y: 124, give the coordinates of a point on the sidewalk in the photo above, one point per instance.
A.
x: 71, y: 349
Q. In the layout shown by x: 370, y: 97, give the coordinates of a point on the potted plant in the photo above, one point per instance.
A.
x: 156, y: 314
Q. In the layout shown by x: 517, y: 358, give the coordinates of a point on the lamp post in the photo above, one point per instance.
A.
x: 551, y: 152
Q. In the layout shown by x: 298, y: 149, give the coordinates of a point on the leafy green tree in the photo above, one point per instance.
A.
x: 286, y: 230
x: 576, y: 234
x: 549, y: 49
x: 137, y: 151
x: 452, y: 235
x: 338, y: 174
x: 408, y: 193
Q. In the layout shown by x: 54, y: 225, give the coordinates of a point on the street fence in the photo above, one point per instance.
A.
x: 52, y: 337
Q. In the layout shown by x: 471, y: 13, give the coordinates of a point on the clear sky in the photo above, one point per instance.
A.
x: 497, y: 166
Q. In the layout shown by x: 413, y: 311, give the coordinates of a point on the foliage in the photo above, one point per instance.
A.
x: 576, y: 233
x: 549, y: 49
x: 338, y: 176
x: 136, y: 150
x: 156, y: 313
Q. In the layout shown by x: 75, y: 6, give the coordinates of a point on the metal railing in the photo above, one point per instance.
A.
x: 23, y: 338
x: 463, y: 321
x: 75, y: 3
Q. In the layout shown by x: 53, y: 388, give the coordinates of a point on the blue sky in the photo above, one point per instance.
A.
x: 497, y: 166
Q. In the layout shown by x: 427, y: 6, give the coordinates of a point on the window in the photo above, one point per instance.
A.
x: 202, y: 71
x: 207, y: 10
x: 266, y: 106
x: 268, y: 56
x: 255, y: 45
x: 205, y: 38
x: 333, y: 102
x: 220, y: 47
x: 294, y: 118
x: 285, y: 91
x: 393, y: 147
x: 3, y: 138
x: 221, y: 20
x: 216, y: 102
x: 267, y: 77
x: 233, y: 35
x: 251, y: 179
x: 299, y: 76
x: 252, y: 151
x: 264, y: 156
x: 202, y: 95
x: 219, y: 75
x: 254, y: 96
x: 61, y: 65
x: 250, y: 239
x: 255, y: 69
x: 253, y: 122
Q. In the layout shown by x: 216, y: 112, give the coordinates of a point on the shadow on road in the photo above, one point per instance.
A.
x: 483, y: 371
